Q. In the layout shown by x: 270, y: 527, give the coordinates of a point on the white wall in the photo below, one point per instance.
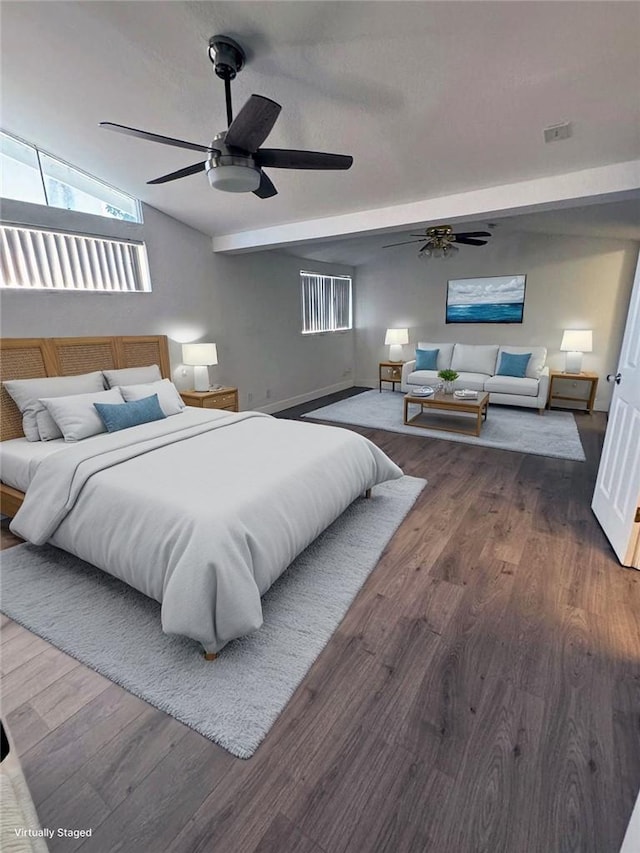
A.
x: 249, y: 305
x: 572, y: 282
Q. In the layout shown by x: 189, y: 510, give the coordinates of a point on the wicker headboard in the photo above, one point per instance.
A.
x: 29, y: 358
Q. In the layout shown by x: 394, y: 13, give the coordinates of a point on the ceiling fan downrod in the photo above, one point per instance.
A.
x: 228, y: 58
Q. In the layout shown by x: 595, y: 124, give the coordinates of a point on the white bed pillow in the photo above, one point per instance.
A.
x: 76, y: 416
x: 170, y: 400
x: 132, y: 375
x: 26, y: 394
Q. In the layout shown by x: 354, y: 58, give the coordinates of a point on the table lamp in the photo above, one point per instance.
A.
x: 200, y: 356
x: 394, y: 339
x: 574, y: 343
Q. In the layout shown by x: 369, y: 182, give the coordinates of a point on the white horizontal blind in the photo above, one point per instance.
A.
x: 34, y: 259
x: 326, y: 303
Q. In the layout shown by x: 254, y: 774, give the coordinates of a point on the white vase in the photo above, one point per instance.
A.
x: 448, y: 386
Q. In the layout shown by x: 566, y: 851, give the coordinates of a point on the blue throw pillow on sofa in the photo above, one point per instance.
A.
x: 116, y: 416
x: 514, y: 364
x: 427, y: 359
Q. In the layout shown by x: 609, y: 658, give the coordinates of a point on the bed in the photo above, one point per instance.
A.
x: 202, y: 511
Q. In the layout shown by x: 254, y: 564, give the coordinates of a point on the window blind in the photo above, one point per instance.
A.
x: 35, y: 259
x: 326, y: 303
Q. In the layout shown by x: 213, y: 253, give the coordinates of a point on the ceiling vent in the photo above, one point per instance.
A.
x: 557, y: 132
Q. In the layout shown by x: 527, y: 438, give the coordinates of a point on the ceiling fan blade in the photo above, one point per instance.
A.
x: 266, y: 188
x: 155, y: 137
x: 253, y: 124
x: 474, y: 234
x: 469, y: 241
x: 181, y: 173
x: 404, y: 243
x: 280, y: 158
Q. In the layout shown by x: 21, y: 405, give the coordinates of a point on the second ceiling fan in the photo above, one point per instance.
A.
x: 235, y: 161
x: 439, y: 241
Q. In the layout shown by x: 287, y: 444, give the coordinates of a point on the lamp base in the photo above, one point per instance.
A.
x: 573, y: 363
x: 395, y: 352
x: 201, y: 378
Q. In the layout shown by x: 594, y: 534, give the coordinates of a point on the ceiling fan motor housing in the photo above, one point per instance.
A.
x: 230, y: 171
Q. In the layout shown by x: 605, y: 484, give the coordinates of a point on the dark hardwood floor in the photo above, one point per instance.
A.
x: 482, y: 694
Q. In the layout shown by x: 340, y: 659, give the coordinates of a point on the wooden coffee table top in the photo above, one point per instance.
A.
x: 441, y: 400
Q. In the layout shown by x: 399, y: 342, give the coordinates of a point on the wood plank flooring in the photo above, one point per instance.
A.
x: 482, y: 695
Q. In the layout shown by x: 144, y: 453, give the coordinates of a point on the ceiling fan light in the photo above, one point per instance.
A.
x: 234, y: 179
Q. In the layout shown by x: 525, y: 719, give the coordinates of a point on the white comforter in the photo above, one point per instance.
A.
x: 201, y: 511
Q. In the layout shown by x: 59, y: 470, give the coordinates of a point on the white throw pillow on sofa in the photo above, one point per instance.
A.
x: 76, y: 416
x: 474, y: 358
x: 169, y: 399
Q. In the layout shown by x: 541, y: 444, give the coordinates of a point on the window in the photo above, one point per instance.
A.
x: 28, y: 174
x: 35, y: 259
x: 326, y: 302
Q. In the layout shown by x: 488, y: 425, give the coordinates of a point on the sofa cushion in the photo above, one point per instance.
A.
x: 513, y: 364
x: 536, y: 362
x: 426, y: 359
x: 422, y: 377
x: 471, y: 381
x: 525, y: 387
x: 474, y: 358
x: 445, y: 351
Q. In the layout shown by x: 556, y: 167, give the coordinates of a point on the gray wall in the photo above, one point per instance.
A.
x: 257, y: 319
x: 572, y: 282
x: 249, y: 305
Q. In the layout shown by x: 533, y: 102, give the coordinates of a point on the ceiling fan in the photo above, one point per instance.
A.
x: 235, y: 161
x: 440, y: 240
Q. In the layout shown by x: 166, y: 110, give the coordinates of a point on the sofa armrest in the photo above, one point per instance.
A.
x: 407, y: 368
x: 543, y: 385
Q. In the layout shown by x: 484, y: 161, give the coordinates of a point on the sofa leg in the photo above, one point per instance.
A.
x: 541, y: 411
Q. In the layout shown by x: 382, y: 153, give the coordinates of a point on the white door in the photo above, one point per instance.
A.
x: 616, y: 499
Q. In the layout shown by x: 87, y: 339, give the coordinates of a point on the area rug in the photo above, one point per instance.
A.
x: 552, y: 434
x: 234, y: 700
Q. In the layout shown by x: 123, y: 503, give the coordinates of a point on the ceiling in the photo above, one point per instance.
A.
x: 617, y: 221
x: 430, y: 98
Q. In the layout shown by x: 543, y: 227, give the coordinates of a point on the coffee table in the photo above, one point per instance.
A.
x: 453, y: 406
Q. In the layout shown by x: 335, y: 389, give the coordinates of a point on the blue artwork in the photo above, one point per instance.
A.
x: 499, y: 299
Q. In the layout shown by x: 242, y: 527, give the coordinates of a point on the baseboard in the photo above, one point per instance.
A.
x: 278, y: 406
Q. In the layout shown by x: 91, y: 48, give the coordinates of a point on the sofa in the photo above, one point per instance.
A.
x: 478, y: 365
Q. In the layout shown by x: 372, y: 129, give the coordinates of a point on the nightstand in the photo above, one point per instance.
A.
x: 592, y: 378
x: 390, y: 371
x: 222, y: 398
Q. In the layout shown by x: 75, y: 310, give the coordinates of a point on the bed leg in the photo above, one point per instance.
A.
x: 367, y: 494
x: 210, y: 655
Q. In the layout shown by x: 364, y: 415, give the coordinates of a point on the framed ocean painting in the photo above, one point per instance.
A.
x: 499, y: 299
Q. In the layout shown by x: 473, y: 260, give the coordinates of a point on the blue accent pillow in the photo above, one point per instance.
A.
x: 116, y: 416
x: 427, y: 359
x: 514, y: 364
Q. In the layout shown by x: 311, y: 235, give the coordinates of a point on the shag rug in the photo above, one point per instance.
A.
x: 234, y: 700
x: 552, y: 434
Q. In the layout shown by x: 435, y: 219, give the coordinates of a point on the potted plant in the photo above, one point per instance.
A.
x: 448, y: 377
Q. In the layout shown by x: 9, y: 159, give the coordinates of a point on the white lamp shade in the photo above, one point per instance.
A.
x: 199, y: 355
x: 397, y: 336
x: 577, y: 340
